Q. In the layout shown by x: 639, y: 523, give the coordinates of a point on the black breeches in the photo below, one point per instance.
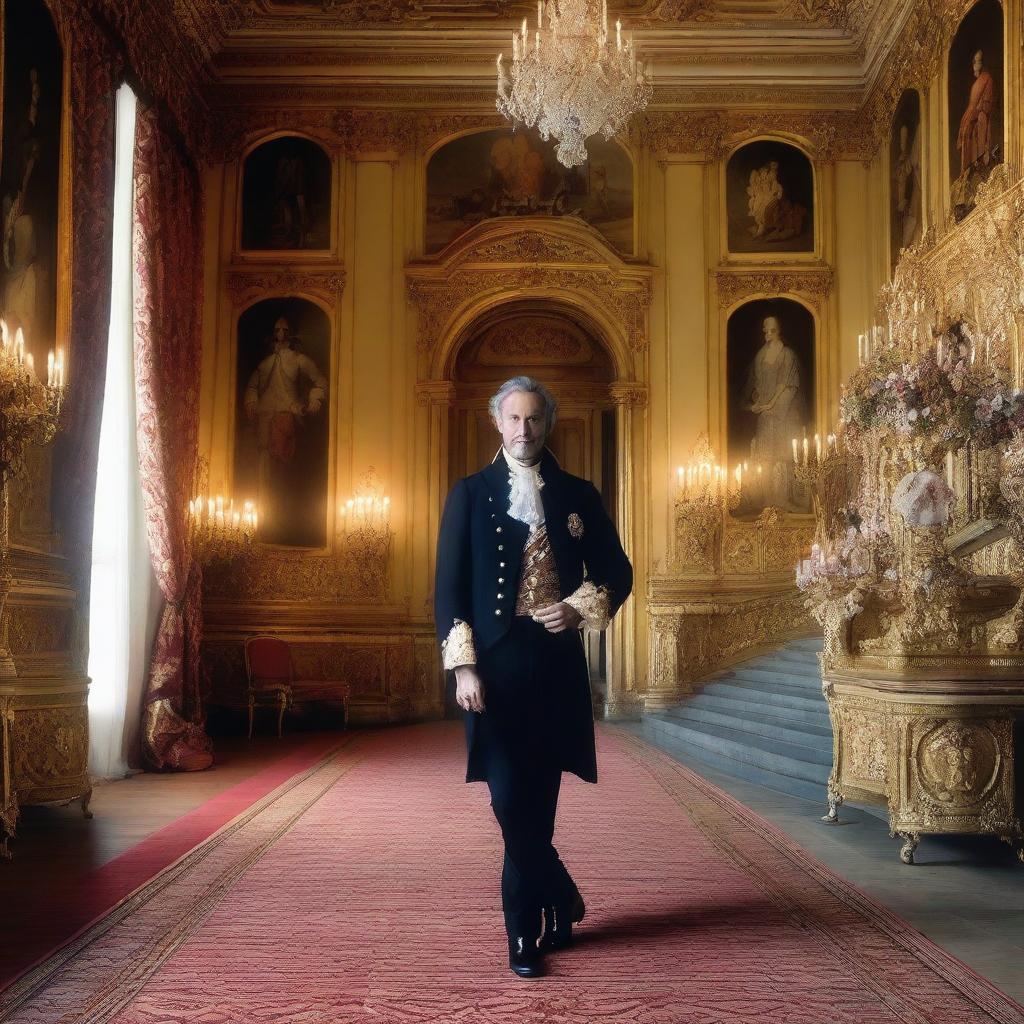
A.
x: 524, y: 800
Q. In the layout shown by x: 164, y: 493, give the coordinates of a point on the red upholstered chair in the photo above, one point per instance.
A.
x: 268, y: 669
x: 268, y: 665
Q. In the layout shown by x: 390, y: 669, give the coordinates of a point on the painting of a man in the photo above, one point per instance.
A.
x: 975, y: 103
x: 974, y: 140
x: 283, y: 405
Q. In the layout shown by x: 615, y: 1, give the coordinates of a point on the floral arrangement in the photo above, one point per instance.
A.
x: 942, y: 397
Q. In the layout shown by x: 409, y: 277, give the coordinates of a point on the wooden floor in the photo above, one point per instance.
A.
x: 55, y: 846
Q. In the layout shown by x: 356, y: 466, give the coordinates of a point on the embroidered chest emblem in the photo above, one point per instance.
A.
x: 575, y: 526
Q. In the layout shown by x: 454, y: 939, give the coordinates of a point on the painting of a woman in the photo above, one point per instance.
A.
x: 769, y: 402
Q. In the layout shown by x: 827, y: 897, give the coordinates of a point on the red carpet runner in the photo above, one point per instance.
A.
x: 365, y: 890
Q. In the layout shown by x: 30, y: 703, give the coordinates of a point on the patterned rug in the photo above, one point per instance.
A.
x: 365, y: 890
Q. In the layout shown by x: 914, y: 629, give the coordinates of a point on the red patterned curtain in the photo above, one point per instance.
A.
x: 167, y: 259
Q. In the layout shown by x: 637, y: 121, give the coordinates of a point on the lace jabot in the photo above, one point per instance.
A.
x: 524, y: 501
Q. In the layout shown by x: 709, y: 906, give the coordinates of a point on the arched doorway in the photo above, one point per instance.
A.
x: 554, y: 345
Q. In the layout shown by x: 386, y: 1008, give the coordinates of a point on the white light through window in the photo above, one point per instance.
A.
x: 120, y: 579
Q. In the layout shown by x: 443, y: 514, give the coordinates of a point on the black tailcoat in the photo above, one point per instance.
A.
x: 536, y: 684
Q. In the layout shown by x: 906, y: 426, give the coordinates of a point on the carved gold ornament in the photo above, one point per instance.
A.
x: 575, y: 526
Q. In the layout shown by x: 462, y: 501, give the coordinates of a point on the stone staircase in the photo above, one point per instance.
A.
x: 764, y: 720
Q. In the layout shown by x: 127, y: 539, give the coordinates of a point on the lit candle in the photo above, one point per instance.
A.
x: 540, y: 13
x: 860, y: 349
x: 60, y: 368
x: 817, y: 447
x: 5, y: 334
x: 500, y: 56
x: 536, y: 43
x: 515, y: 48
x: 939, y: 355
x: 19, y: 345
x: 49, y: 370
x: 30, y: 364
x: 805, y: 449
x: 618, y: 34
x: 795, y: 458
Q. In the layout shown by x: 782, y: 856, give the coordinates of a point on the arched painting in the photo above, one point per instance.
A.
x: 769, y: 192
x: 770, y: 370
x: 286, y: 196
x: 975, y: 103
x: 505, y: 173
x: 30, y: 173
x: 281, y: 409
x: 905, y: 209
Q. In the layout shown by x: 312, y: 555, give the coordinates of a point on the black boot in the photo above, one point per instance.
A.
x: 524, y: 957
x: 558, y: 922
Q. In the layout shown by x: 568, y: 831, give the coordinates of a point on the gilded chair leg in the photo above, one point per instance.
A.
x: 251, y: 704
x: 83, y: 802
x: 282, y: 702
x: 910, y: 841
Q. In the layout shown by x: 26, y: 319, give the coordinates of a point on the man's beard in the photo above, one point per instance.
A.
x: 523, y: 449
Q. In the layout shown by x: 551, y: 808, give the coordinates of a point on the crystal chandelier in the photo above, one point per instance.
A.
x: 570, y: 80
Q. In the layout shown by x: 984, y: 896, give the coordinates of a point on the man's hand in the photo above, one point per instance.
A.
x: 469, y: 688
x: 557, y: 617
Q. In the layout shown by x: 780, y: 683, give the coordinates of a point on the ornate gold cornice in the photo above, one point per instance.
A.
x: 246, y: 286
x: 348, y: 131
x: 814, y: 283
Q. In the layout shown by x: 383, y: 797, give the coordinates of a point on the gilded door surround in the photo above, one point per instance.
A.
x: 567, y: 267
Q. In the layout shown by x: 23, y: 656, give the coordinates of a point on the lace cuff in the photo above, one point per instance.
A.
x: 592, y: 603
x: 458, y: 647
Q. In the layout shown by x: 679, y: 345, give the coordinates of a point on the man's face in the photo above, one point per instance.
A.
x: 521, y: 423
x: 770, y: 327
x: 281, y: 331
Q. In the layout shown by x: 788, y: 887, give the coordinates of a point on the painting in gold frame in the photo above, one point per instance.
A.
x: 30, y: 175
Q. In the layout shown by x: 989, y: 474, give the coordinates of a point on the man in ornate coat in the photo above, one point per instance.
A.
x: 526, y: 557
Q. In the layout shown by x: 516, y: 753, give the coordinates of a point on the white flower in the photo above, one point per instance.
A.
x: 912, y: 415
x: 926, y: 411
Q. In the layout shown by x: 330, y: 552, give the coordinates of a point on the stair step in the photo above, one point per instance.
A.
x: 691, y: 754
x: 730, y: 748
x: 761, y: 725
x: 770, y: 678
x: 764, y: 749
x: 749, y: 706
x: 781, y: 696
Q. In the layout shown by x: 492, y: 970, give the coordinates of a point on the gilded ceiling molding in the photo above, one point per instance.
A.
x: 814, y: 283
x: 239, y: 127
x: 436, y: 392
x: 376, y: 131
x: 827, y: 135
x: 245, y: 286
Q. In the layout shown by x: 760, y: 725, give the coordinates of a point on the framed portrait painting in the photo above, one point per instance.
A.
x: 770, y: 392
x: 769, y: 196
x: 905, y: 179
x: 975, y: 98
x: 283, y: 370
x: 505, y: 173
x: 286, y: 196
x: 30, y: 178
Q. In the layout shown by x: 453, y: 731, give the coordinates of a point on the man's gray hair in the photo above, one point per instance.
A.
x: 531, y: 387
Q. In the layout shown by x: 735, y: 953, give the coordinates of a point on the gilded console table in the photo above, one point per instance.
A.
x: 44, y: 718
x: 939, y: 754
